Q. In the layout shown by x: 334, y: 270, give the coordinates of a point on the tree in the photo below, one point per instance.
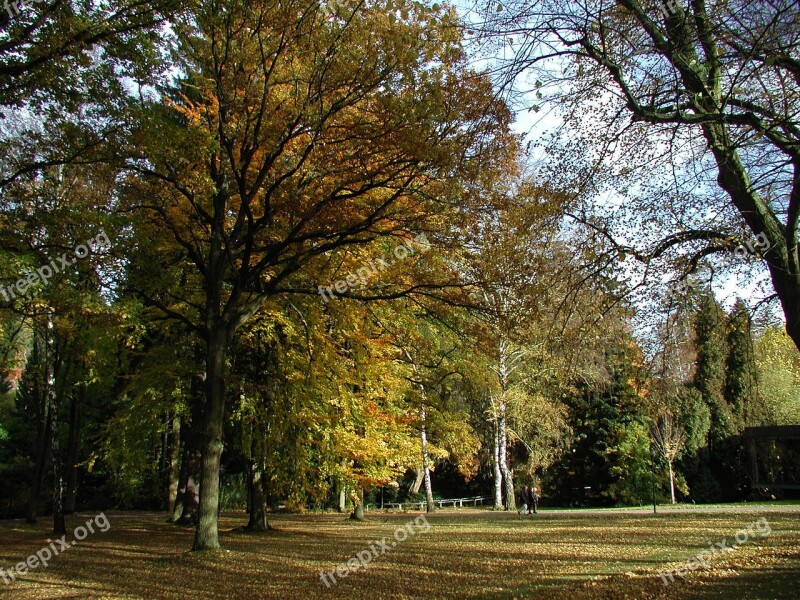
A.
x: 290, y: 139
x: 669, y: 436
x: 740, y: 376
x: 710, y: 327
x: 778, y: 372
x: 677, y: 110
x: 608, y: 455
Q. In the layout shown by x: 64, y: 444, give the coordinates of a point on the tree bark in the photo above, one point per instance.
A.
x: 207, y: 533
x: 782, y: 256
x: 430, y: 506
x: 508, y: 477
x: 498, y: 475
x: 43, y: 429
x: 342, y: 500
x: 187, y: 503
x: 174, y: 463
x: 358, y: 511
x: 671, y: 481
x: 258, y: 508
x: 419, y: 478
x: 59, y: 526
x: 72, y: 450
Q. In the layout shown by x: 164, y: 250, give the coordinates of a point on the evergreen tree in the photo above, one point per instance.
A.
x: 740, y: 377
x: 709, y: 376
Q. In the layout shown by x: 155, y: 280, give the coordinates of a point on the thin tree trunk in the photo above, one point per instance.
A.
x: 342, y: 505
x: 72, y: 450
x: 430, y: 507
x: 59, y: 526
x: 42, y: 447
x: 671, y: 481
x: 498, y: 476
x: 174, y: 463
x: 423, y: 434
x: 43, y: 428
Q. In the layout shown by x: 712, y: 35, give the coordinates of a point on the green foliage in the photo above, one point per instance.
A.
x: 711, y: 326
x: 631, y: 466
x: 605, y: 462
x: 695, y: 416
x: 233, y: 491
x: 778, y: 366
x: 740, y: 373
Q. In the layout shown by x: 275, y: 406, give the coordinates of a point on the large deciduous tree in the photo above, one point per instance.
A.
x: 687, y: 111
x: 289, y: 138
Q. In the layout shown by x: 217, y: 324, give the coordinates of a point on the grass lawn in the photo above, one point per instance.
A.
x: 463, y: 554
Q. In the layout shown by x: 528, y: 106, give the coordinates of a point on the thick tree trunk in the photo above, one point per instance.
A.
x: 419, y: 478
x: 72, y: 450
x: 783, y: 255
x: 787, y: 286
x: 258, y: 508
x: 358, y: 511
x: 207, y: 533
x: 430, y: 506
x: 174, y: 463
x: 498, y: 476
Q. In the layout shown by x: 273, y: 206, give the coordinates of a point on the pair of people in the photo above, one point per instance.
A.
x: 529, y: 500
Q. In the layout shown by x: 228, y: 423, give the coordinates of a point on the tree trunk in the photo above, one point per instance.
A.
x: 59, y: 526
x: 430, y: 507
x: 43, y: 429
x: 187, y: 505
x: 72, y: 450
x: 508, y: 477
x: 787, y: 286
x: 207, y: 533
x: 671, y: 481
x: 782, y: 256
x: 42, y: 447
x: 419, y: 478
x: 498, y: 476
x: 342, y: 505
x: 174, y: 463
x: 358, y: 511
x: 258, y: 508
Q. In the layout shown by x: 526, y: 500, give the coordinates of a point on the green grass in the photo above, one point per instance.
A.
x: 464, y: 554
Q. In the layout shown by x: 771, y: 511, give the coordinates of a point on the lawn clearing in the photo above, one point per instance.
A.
x: 463, y: 554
